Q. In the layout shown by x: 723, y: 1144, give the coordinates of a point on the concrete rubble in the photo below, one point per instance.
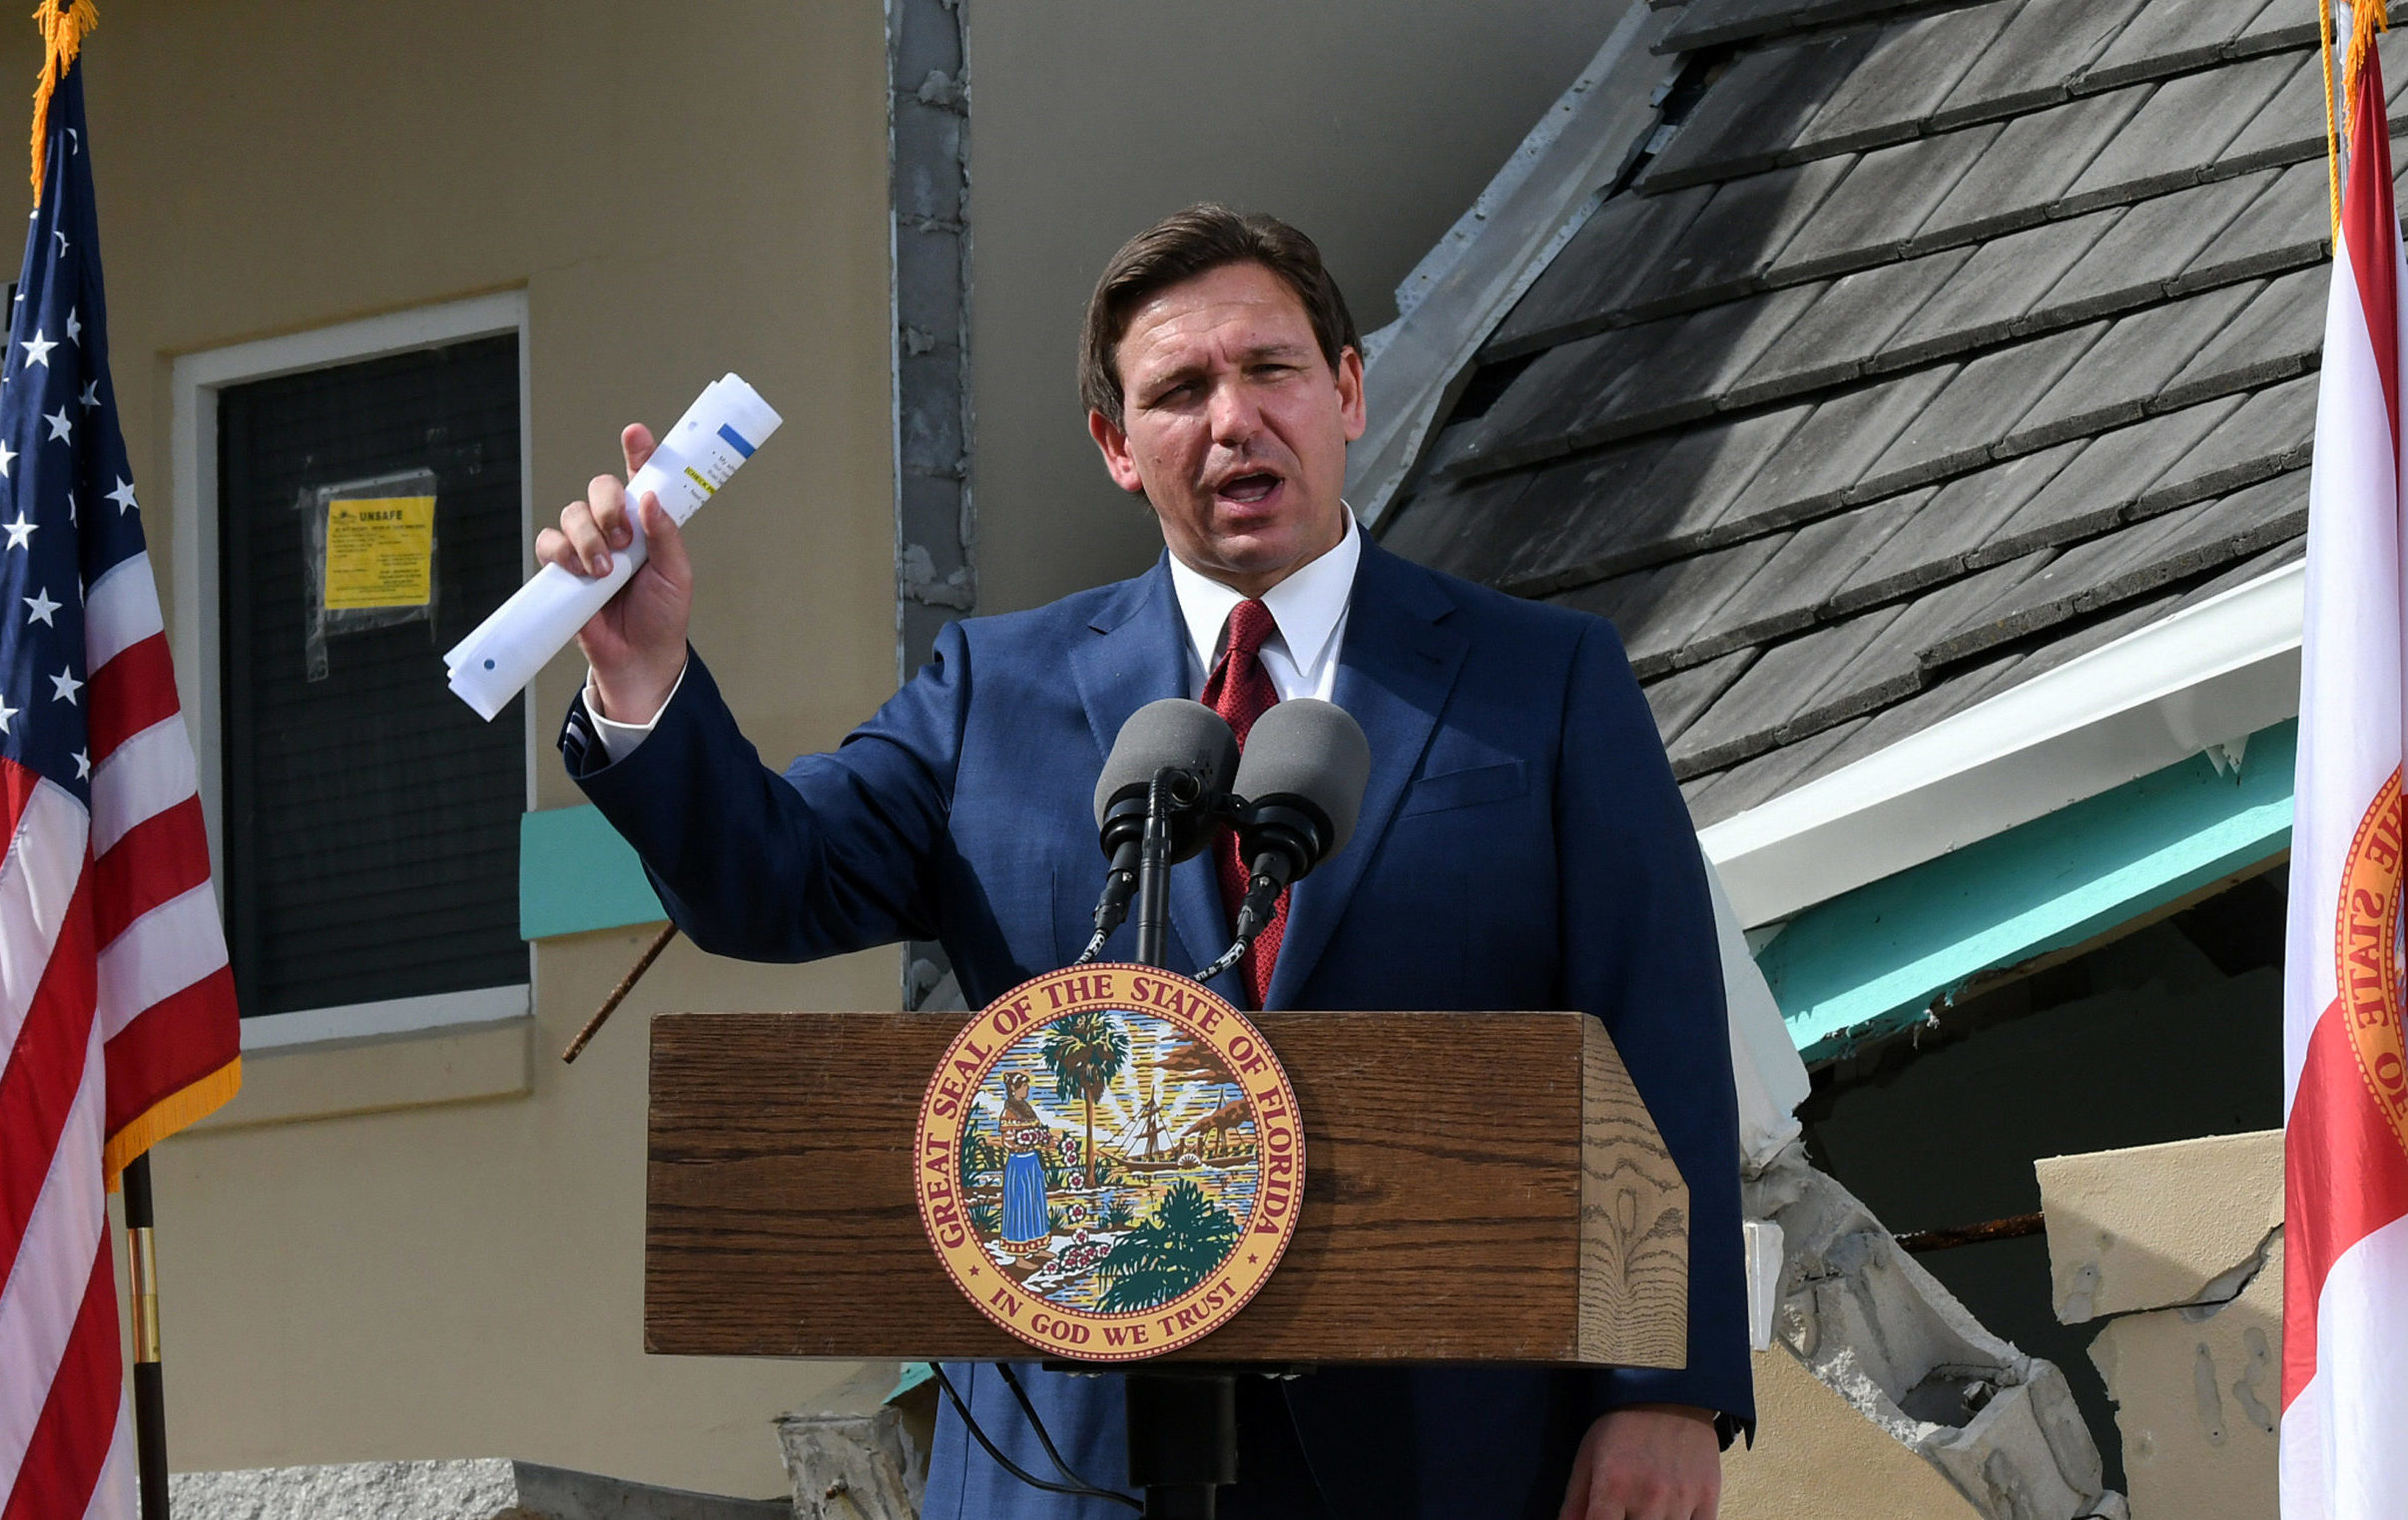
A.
x: 1876, y: 1329
x: 1876, y: 1391
x: 2177, y: 1249
x: 865, y: 1454
x: 484, y: 1488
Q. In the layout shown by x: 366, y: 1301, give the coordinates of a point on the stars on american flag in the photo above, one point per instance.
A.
x: 60, y: 454
x: 6, y: 712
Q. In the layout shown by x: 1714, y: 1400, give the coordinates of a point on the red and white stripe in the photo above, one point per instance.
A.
x: 2344, y: 1433
x: 107, y: 927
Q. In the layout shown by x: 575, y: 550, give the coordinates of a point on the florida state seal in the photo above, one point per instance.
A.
x: 2368, y: 974
x: 1110, y: 1162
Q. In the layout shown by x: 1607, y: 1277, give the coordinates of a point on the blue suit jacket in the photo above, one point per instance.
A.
x: 1521, y: 846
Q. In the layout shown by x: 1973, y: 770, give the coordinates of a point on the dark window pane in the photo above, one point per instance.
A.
x: 370, y: 818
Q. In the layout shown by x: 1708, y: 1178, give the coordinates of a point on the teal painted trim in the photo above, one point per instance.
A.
x: 575, y: 874
x: 913, y: 1375
x: 1874, y: 960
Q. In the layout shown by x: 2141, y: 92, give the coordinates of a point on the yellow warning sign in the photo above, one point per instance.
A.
x: 379, y: 552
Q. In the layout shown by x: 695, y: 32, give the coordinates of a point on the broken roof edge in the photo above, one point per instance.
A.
x: 1460, y: 239
x: 2209, y: 674
x: 1466, y: 284
x: 1893, y: 954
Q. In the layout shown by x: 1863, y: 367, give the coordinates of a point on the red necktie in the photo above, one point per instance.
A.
x: 1241, y: 691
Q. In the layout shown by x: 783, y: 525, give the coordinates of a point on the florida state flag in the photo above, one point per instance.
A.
x: 2345, y: 1081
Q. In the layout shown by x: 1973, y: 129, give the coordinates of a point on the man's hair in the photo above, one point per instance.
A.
x: 1187, y: 244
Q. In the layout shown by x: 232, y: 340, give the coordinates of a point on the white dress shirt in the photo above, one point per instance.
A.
x: 1309, y: 606
x: 1301, y: 659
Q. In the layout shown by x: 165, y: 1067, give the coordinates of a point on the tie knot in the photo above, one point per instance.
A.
x: 1250, y: 626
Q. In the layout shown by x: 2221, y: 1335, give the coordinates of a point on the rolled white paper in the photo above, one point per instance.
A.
x: 718, y: 433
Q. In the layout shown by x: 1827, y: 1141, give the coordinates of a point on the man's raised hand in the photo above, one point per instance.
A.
x: 637, y: 642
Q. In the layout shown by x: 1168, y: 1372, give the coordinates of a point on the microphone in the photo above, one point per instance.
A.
x: 1190, y: 749
x: 1300, y: 787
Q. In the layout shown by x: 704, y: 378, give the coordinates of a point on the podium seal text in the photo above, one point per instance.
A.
x: 1110, y: 1162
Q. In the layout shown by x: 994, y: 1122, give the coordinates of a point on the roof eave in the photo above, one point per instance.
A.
x: 2204, y: 676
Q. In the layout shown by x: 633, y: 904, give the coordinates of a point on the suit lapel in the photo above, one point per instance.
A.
x: 1395, y: 671
x: 1141, y: 656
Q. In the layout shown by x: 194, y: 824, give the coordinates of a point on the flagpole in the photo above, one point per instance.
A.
x: 150, y: 1388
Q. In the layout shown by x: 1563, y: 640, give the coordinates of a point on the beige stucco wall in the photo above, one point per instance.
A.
x: 1372, y: 126
x: 679, y: 193
x: 1816, y: 1458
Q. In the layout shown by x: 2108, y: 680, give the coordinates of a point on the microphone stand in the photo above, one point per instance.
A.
x: 1153, y: 873
x: 1182, y: 1424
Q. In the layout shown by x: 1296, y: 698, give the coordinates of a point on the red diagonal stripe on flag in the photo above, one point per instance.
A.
x: 70, y: 1439
x: 2339, y: 1151
x: 2371, y: 229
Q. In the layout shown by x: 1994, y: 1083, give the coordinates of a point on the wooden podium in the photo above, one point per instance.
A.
x: 1478, y: 1187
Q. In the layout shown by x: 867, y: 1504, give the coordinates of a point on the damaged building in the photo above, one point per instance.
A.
x: 1925, y: 390
x: 1926, y: 394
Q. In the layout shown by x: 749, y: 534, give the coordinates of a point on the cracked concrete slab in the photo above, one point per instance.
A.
x: 2196, y: 1391
x: 2178, y: 1249
x: 2155, y: 1227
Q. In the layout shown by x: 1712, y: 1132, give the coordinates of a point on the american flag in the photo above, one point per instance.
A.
x: 117, y: 1010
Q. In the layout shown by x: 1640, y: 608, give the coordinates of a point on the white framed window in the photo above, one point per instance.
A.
x: 363, y: 821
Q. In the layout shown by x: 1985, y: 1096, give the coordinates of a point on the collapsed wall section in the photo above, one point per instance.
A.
x: 1877, y: 1330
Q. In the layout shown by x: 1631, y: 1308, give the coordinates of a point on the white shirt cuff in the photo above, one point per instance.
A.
x: 619, y: 739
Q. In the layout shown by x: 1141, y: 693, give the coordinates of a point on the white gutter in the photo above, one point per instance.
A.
x: 2206, y: 676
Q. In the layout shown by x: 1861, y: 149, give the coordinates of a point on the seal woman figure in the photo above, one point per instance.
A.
x: 1027, y: 1223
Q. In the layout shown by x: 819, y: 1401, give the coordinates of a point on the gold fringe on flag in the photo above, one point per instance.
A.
x: 2332, y: 130
x: 63, y: 24
x: 188, y: 1105
x: 2365, y: 19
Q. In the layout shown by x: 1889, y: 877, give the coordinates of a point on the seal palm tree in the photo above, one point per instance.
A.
x: 1085, y: 1052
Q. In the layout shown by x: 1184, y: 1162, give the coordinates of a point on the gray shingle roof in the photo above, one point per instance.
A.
x: 1916, y: 350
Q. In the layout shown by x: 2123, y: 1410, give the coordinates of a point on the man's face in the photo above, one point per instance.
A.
x: 1234, y: 426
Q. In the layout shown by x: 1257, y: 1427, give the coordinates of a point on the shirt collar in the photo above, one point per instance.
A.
x: 1308, y: 605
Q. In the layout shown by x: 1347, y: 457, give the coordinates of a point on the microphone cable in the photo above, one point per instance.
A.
x: 1229, y: 957
x: 1075, y: 1486
x: 1254, y: 915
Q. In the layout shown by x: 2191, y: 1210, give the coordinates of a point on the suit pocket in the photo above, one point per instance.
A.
x: 1465, y: 788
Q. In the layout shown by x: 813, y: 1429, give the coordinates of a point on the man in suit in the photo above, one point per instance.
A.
x: 1521, y: 846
